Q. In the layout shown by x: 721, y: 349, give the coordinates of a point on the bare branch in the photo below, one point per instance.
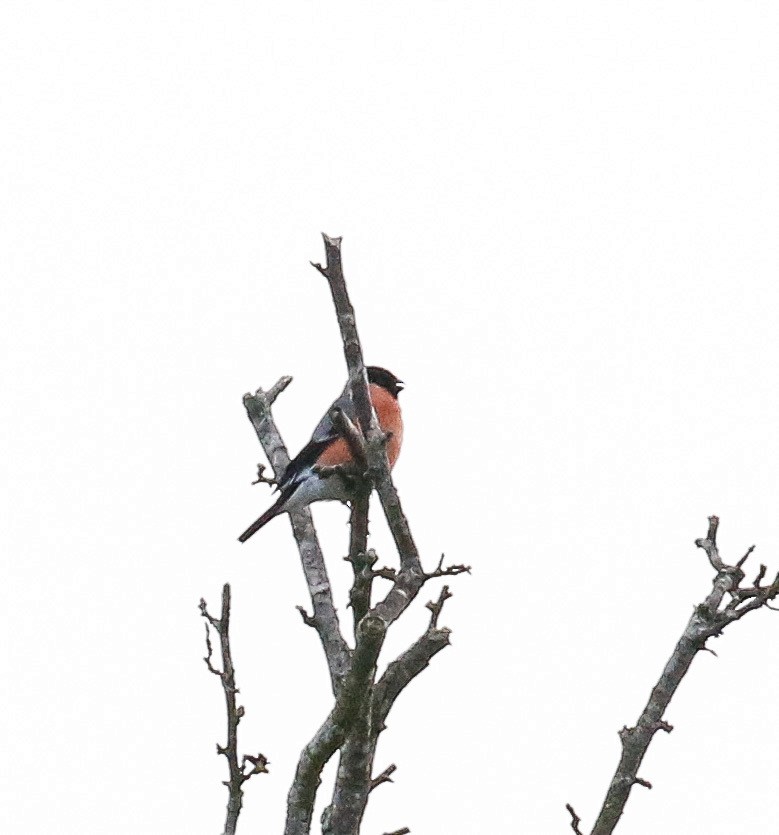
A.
x: 435, y: 608
x: 277, y: 388
x: 361, y: 704
x: 353, y: 710
x: 406, y: 667
x: 259, y: 765
x: 384, y: 777
x: 235, y: 713
x: 404, y: 831
x: 449, y: 571
x: 361, y: 559
x: 325, y: 618
x: 333, y: 272
x: 307, y: 619
x: 376, y: 453
x: 709, y: 544
x: 708, y: 620
x: 745, y: 557
x: 760, y: 575
x: 210, y: 649
x: 262, y: 478
x: 302, y: 794
x: 575, y: 819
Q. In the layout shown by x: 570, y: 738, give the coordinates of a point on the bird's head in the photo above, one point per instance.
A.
x: 386, y: 379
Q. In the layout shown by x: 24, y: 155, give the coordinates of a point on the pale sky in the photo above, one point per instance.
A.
x: 560, y: 229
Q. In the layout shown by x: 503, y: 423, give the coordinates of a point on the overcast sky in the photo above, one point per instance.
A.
x: 560, y: 229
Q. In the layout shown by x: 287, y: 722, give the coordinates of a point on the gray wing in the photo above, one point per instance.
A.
x: 325, y: 431
x: 324, y: 434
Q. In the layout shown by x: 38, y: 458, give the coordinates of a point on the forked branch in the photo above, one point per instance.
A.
x: 361, y: 704
x: 708, y: 620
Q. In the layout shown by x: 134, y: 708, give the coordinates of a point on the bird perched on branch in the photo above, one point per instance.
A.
x: 307, y: 479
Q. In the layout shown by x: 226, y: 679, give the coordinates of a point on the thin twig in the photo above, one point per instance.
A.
x: 384, y: 777
x: 262, y: 478
x: 447, y: 571
x: 575, y: 819
x: 235, y: 712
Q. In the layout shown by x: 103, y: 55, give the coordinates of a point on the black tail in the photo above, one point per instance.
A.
x: 269, y: 514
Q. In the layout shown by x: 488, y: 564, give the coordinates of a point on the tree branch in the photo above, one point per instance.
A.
x: 362, y: 560
x: 708, y: 620
x: 353, y: 783
x: 325, y: 617
x: 575, y: 819
x: 409, y: 664
x: 354, y: 723
x: 235, y: 712
x: 376, y: 452
x: 308, y: 776
x: 330, y: 737
x: 384, y: 777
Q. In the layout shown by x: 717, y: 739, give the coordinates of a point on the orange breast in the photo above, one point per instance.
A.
x: 390, y: 420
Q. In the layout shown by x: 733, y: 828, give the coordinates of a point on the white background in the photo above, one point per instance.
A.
x: 560, y: 229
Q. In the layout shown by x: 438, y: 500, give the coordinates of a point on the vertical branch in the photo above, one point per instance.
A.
x: 377, y: 458
x: 333, y: 272
x: 360, y: 559
x: 353, y: 783
x: 235, y: 713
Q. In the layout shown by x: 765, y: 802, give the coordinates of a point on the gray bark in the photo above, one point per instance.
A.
x: 708, y: 620
x: 361, y: 704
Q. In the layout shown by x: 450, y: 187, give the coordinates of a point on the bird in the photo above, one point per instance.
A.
x: 301, y: 483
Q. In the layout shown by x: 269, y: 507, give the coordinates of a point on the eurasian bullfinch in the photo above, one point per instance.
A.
x: 301, y: 483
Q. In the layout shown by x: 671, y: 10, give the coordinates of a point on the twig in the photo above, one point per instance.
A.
x: 708, y: 620
x: 384, y: 777
x: 449, y: 571
x: 409, y: 664
x: 262, y: 478
x: 235, y: 712
x: 575, y: 819
x: 435, y: 608
x: 275, y: 390
x: 404, y: 831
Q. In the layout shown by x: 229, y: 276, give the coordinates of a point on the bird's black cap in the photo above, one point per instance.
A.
x: 386, y: 379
